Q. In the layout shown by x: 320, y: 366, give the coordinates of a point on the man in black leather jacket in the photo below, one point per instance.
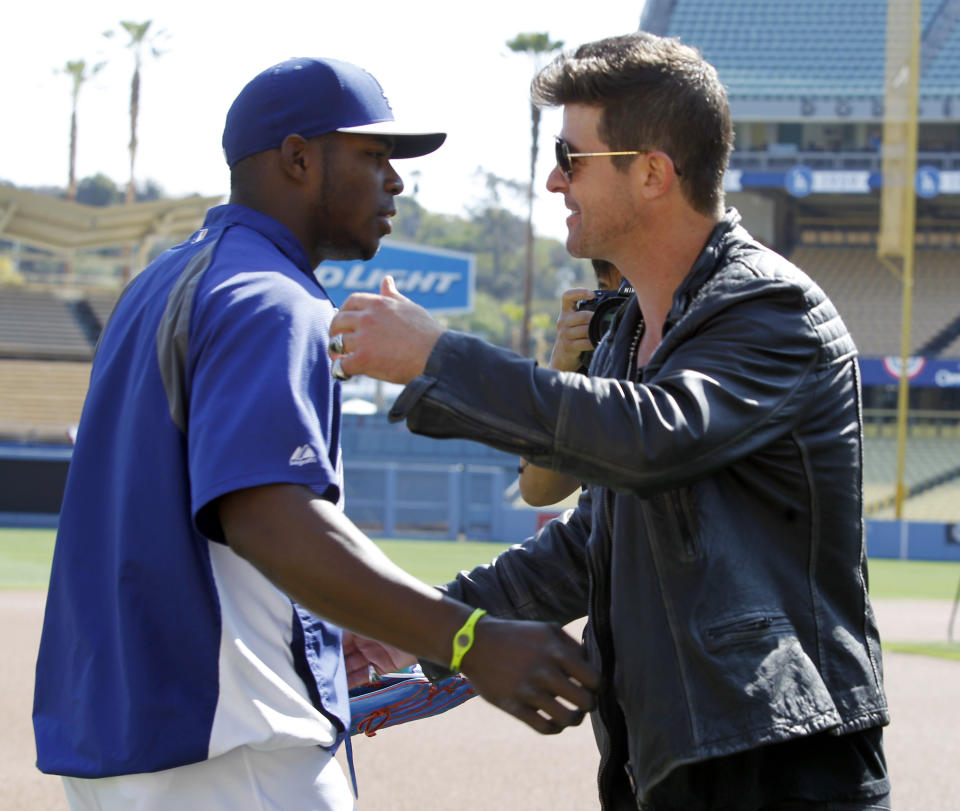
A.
x: 718, y: 550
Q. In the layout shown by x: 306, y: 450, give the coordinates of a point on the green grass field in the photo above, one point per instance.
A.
x: 913, y: 579
x: 25, y: 556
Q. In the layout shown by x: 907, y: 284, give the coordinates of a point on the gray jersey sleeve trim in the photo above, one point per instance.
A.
x: 173, y: 335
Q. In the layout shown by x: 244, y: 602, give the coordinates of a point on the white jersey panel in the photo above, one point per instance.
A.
x: 263, y: 702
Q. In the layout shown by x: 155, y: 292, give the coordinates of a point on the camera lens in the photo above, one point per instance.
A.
x: 603, y: 316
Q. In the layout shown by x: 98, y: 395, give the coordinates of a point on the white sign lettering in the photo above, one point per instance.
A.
x: 950, y: 182
x: 945, y: 378
x: 840, y: 182
x: 360, y: 277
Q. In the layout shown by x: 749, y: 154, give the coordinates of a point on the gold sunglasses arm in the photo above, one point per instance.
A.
x: 603, y: 154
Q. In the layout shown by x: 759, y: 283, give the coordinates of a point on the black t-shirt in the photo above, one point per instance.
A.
x: 816, y: 768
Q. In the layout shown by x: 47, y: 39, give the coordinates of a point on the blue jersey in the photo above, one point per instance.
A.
x: 160, y: 646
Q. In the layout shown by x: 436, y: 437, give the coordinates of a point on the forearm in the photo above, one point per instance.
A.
x: 311, y: 551
x: 543, y: 579
x: 315, y: 554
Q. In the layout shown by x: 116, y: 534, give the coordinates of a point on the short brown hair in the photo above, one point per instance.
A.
x: 655, y: 93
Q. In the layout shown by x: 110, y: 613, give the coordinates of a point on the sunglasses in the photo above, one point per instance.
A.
x: 564, y: 155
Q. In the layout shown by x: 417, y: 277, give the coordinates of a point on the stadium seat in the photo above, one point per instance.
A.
x: 41, y: 324
x: 869, y: 296
x: 42, y: 399
x: 928, y: 459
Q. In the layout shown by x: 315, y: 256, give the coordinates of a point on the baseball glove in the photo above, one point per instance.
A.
x: 396, y: 698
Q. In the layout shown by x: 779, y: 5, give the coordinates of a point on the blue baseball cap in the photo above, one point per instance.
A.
x: 310, y: 97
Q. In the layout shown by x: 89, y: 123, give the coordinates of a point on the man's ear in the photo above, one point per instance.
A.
x: 660, y: 174
x: 295, y: 157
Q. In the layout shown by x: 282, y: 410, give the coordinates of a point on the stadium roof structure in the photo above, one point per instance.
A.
x: 65, y: 228
x: 813, y: 50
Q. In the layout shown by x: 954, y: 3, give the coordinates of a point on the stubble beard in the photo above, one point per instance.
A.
x: 334, y: 243
x: 596, y: 238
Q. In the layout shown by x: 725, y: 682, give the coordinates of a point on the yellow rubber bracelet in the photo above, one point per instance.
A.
x: 463, y: 640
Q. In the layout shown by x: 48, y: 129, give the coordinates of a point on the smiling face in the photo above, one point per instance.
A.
x: 604, y: 206
x: 352, y: 201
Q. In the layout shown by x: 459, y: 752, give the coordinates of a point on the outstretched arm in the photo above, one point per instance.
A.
x: 315, y: 554
x: 739, y: 380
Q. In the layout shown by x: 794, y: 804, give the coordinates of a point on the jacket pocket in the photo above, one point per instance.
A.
x: 761, y: 680
x: 744, y: 628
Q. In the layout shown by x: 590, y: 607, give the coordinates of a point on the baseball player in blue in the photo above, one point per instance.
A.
x: 192, y: 651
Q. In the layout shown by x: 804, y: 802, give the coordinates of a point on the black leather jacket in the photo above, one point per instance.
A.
x: 719, y: 548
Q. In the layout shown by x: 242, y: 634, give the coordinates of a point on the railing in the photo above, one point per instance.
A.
x: 872, y: 160
x: 393, y: 499
x: 922, y: 421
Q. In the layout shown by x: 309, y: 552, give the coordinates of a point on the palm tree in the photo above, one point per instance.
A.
x: 140, y: 40
x: 539, y: 46
x: 79, y: 72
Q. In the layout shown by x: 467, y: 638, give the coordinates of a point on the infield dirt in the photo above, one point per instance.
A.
x: 476, y: 758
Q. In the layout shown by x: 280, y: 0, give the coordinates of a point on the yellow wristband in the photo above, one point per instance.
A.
x: 463, y: 640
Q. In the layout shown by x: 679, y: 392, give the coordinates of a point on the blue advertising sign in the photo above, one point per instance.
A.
x: 930, y: 372
x: 441, y: 281
x: 801, y: 181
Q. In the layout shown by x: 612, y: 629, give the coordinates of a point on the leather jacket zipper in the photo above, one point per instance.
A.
x: 682, y: 520
x: 599, y: 563
x: 740, y: 626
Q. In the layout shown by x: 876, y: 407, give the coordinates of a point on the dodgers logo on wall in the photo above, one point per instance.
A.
x: 799, y: 181
x: 928, y: 182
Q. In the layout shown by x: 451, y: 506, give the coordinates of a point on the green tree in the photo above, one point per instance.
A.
x: 98, y: 190
x: 79, y: 72
x: 150, y: 190
x: 489, y: 320
x: 501, y: 232
x: 141, y: 42
x: 539, y: 46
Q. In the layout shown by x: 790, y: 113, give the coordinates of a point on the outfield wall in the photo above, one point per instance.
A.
x: 421, y: 500
x: 917, y: 540
x: 913, y: 540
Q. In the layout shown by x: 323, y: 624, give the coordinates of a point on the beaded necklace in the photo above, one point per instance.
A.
x: 633, y: 373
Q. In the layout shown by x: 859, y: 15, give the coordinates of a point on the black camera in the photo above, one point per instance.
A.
x: 605, y: 305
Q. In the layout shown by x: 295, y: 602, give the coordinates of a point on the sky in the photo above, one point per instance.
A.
x: 443, y: 65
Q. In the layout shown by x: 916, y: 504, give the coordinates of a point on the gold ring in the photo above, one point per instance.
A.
x: 336, y: 344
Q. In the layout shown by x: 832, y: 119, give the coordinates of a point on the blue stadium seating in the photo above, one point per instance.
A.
x: 812, y: 49
x: 943, y: 72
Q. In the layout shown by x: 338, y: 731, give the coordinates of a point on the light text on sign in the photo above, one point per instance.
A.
x: 362, y: 277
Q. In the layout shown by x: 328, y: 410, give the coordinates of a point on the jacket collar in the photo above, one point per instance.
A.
x: 704, y: 266
x: 702, y: 269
